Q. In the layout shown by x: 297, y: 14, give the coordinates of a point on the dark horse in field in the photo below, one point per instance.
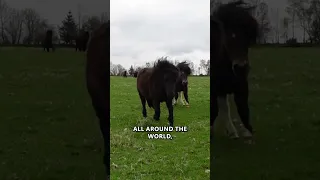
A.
x: 124, y: 74
x: 97, y: 77
x: 182, y: 84
x: 81, y: 41
x: 47, y: 42
x: 135, y: 74
x: 156, y: 85
x: 233, y: 30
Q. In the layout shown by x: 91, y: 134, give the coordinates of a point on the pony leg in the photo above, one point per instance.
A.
x: 170, y: 109
x: 156, y: 106
x: 176, y: 96
x: 181, y: 98
x: 241, y: 101
x: 225, y: 110
x: 186, y: 97
x: 174, y: 101
x: 149, y: 103
x: 143, y: 102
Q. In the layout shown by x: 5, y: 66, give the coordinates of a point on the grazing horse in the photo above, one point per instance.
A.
x: 182, y: 84
x: 47, y: 42
x: 156, y: 85
x: 233, y: 30
x: 97, y: 78
x: 135, y: 74
x: 124, y: 74
x: 81, y: 41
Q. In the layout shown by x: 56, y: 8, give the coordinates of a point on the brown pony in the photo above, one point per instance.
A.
x: 233, y: 29
x: 97, y: 77
x: 156, y: 85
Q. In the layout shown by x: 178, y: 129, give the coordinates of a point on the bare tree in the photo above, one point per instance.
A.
x: 4, y: 16
x: 31, y: 20
x: 276, y: 28
x: 208, y: 68
x: 306, y: 13
x: 203, y: 66
x: 15, y: 25
x: 113, y: 69
x: 262, y: 15
x: 91, y: 23
x: 285, y: 28
x: 291, y: 11
x: 315, y: 24
x: 120, y: 69
x: 79, y: 16
x: 40, y: 31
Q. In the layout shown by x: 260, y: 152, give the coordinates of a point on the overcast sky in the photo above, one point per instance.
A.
x: 144, y: 30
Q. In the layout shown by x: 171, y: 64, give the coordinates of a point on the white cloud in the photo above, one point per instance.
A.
x: 144, y: 30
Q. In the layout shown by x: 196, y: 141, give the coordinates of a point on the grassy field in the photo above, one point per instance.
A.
x: 134, y: 156
x: 48, y: 130
x: 284, y: 102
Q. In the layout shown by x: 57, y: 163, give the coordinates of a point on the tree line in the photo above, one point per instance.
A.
x: 203, y: 69
x: 26, y: 26
x: 303, y: 14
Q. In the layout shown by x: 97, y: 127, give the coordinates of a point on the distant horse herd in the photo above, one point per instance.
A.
x: 233, y: 30
x: 81, y: 41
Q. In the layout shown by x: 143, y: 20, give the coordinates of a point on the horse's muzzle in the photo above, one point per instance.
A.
x: 184, y: 83
x: 239, y: 63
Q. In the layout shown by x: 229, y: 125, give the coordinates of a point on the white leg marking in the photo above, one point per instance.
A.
x: 244, y: 132
x: 184, y: 102
x: 180, y: 98
x: 174, y: 101
x: 225, y: 112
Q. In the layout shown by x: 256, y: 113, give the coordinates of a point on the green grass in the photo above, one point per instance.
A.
x: 48, y: 130
x: 134, y: 156
x: 284, y: 101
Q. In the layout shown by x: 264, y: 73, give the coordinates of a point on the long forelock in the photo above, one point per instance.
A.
x: 237, y: 16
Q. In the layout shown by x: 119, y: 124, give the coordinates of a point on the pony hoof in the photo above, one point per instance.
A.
x: 249, y: 141
x: 232, y: 135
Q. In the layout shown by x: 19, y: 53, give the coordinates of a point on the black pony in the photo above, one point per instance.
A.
x: 156, y: 85
x: 233, y: 30
x: 97, y: 77
x: 182, y: 84
x: 47, y: 42
x: 124, y: 74
x: 135, y: 74
x: 81, y: 41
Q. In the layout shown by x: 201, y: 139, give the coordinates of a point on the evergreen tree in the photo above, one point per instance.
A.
x: 68, y: 30
x: 131, y: 71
